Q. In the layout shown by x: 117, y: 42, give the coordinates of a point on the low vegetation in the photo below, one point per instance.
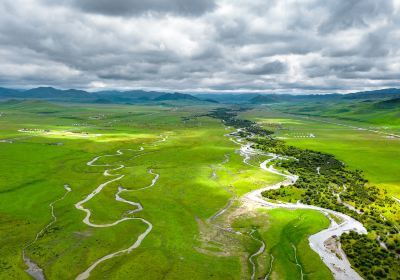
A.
x: 326, y: 182
x: 55, y: 141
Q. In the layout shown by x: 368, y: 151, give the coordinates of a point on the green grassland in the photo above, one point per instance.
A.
x: 375, y: 154
x: 282, y: 230
x: 56, y: 142
x: 325, y: 181
x: 383, y: 114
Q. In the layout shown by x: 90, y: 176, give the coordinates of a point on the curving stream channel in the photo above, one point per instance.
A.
x: 37, y: 273
x: 138, y: 206
x: 33, y: 269
x: 340, y: 267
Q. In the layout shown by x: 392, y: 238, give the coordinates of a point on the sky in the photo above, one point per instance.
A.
x: 201, y: 45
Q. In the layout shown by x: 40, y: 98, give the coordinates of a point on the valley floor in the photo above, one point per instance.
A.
x: 154, y: 192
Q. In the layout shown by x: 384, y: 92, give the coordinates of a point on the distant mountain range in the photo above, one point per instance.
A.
x: 141, y: 96
x: 381, y: 93
x: 100, y: 97
x: 268, y: 98
x: 365, y: 95
x: 176, y: 96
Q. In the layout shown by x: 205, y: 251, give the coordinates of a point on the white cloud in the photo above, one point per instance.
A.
x: 209, y: 45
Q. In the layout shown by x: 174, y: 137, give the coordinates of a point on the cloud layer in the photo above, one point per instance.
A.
x: 132, y: 8
x: 201, y: 45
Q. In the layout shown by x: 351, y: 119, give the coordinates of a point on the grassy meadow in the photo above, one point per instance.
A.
x: 377, y: 155
x: 282, y: 230
x: 382, y: 115
x: 46, y: 146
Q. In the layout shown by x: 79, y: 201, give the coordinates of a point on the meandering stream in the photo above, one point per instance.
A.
x: 37, y: 273
x: 33, y: 269
x: 340, y: 267
x: 138, y: 207
x: 252, y: 256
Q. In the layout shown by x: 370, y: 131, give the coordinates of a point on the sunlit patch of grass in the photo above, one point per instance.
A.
x: 35, y: 171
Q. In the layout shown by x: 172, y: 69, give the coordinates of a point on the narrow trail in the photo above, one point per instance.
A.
x: 340, y: 267
x: 138, y: 207
x: 254, y: 255
x: 33, y: 269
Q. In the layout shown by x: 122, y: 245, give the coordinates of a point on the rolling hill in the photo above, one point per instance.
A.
x: 141, y: 96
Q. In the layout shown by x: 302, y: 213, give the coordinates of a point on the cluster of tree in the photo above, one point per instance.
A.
x: 258, y: 130
x: 326, y: 182
x: 229, y: 118
x: 369, y: 257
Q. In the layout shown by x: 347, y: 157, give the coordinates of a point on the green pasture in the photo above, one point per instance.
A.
x: 365, y: 111
x: 283, y: 230
x: 56, y: 142
x: 377, y: 155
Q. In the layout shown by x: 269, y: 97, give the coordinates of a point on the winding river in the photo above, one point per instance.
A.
x: 37, y: 273
x: 339, y: 266
x: 138, y: 206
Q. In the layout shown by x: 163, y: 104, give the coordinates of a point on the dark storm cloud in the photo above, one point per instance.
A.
x: 137, y: 7
x: 258, y: 45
